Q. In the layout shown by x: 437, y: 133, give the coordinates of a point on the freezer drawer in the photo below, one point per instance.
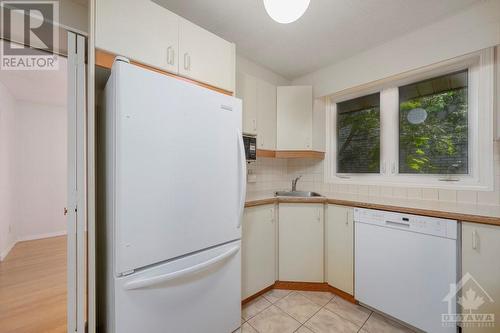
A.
x: 197, y: 293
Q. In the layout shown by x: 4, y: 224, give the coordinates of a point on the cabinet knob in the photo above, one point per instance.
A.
x: 474, y: 240
x: 170, y: 55
x: 187, y: 61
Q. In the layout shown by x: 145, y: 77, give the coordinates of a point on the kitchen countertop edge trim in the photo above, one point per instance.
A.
x: 400, y: 209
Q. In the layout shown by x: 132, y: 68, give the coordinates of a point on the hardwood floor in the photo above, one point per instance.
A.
x: 33, y: 287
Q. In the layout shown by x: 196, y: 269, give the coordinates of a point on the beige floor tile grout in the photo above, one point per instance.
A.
x: 371, y: 312
x: 310, y: 329
x: 304, y: 324
x: 338, y: 314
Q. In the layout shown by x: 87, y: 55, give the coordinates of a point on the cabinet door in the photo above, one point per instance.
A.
x: 140, y: 30
x: 480, y: 251
x: 206, y: 57
x: 266, y: 115
x: 340, y: 248
x: 258, y: 249
x: 301, y: 242
x: 294, y: 117
x: 246, y: 89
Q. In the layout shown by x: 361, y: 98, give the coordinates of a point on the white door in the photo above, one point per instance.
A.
x: 76, y: 206
x: 205, y: 57
x: 294, y: 118
x: 258, y: 269
x: 301, y: 242
x: 266, y: 115
x: 340, y: 248
x: 246, y: 89
x: 480, y: 250
x: 140, y: 30
x: 180, y: 168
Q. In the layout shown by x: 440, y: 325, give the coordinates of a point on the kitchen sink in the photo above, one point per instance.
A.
x: 302, y: 194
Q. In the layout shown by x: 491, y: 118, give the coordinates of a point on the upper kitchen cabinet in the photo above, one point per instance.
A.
x: 147, y: 33
x: 206, y: 57
x: 259, y: 109
x: 294, y: 118
x: 246, y: 89
x: 140, y: 30
x: 266, y: 115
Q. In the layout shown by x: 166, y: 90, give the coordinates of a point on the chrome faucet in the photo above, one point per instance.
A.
x: 294, y: 183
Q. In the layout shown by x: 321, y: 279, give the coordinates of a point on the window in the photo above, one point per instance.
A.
x: 358, y: 135
x: 433, y: 131
x: 427, y: 128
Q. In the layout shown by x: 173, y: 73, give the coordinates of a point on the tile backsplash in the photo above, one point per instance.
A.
x: 277, y: 174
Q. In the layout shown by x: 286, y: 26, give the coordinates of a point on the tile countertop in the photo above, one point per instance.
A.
x: 451, y: 210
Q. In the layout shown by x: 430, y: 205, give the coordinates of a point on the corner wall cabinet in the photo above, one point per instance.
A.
x: 145, y: 32
x: 260, y: 107
x: 258, y: 251
x: 294, y: 118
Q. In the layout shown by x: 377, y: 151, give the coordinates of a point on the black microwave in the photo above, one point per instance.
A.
x: 250, y: 147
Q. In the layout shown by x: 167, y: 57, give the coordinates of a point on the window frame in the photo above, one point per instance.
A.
x: 481, y: 72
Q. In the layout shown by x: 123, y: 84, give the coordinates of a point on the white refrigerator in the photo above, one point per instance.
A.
x: 175, y: 175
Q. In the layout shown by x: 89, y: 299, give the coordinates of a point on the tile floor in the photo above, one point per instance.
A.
x: 287, y: 311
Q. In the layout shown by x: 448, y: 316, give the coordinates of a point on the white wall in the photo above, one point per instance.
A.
x: 74, y: 14
x: 245, y: 66
x: 470, y: 30
x: 39, y: 172
x: 33, y: 170
x: 7, y: 237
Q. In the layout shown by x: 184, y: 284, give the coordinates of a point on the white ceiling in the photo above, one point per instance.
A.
x: 44, y: 87
x: 329, y: 31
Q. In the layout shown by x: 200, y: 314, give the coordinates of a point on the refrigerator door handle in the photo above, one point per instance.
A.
x: 243, y: 174
x: 151, y: 281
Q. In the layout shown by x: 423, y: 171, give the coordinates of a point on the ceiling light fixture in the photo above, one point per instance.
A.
x: 286, y: 11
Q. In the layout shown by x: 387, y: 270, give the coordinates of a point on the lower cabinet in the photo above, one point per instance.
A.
x: 339, y: 250
x: 301, y: 242
x: 480, y: 258
x: 258, y: 249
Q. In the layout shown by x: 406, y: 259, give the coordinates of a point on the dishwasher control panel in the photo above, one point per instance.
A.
x: 414, y: 223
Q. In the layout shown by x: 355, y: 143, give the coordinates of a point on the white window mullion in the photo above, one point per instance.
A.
x: 389, y: 126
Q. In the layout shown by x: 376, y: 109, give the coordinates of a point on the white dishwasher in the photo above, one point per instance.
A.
x: 404, y: 265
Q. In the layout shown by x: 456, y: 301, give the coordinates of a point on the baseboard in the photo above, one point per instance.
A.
x: 343, y: 294
x: 41, y: 236
x: 303, y: 286
x: 6, y: 252
x: 254, y: 296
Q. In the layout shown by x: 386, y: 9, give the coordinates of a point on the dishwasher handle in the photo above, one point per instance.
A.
x: 397, y: 224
